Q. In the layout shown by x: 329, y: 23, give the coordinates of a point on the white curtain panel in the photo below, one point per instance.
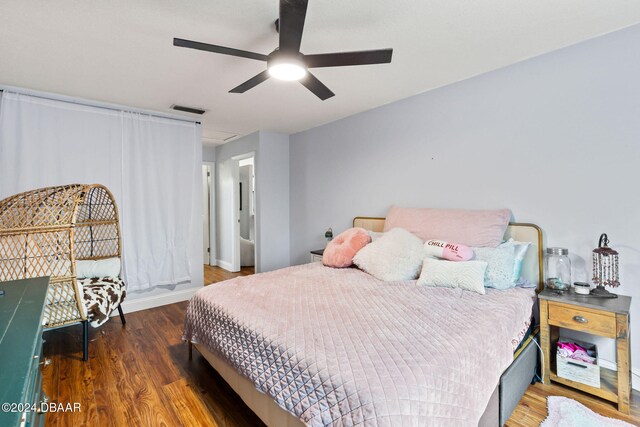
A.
x: 151, y: 165
x: 161, y: 183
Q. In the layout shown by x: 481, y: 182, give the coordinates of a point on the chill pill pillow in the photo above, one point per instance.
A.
x: 340, y: 251
x: 448, y: 250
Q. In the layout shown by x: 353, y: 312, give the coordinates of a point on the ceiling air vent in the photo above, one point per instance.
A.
x: 191, y: 110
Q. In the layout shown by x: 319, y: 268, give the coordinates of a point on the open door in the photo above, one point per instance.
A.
x: 236, y: 212
x: 229, y: 227
x: 235, y: 241
x: 208, y: 214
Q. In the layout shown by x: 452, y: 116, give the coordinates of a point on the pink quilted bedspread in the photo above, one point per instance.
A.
x: 339, y: 347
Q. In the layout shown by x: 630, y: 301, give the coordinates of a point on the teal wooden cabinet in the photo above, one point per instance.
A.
x: 21, y: 358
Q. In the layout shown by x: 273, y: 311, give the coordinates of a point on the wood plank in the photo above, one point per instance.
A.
x: 189, y: 405
x: 51, y: 373
x: 75, y: 383
x: 624, y: 363
x: 106, y: 372
x: 214, y: 274
x: 545, y: 340
x: 607, y: 390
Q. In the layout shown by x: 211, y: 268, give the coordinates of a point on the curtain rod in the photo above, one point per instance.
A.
x: 95, y: 104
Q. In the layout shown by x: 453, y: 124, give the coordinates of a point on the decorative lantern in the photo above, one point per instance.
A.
x: 605, y: 269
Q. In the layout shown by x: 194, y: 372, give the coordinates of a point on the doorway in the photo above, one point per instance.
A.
x: 237, y: 213
x: 208, y: 214
x: 245, y: 234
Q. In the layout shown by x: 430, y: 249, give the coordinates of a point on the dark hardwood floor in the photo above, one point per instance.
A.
x: 140, y: 375
x: 213, y: 274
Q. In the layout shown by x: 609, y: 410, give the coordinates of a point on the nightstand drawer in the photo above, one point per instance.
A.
x: 582, y: 320
x: 316, y: 258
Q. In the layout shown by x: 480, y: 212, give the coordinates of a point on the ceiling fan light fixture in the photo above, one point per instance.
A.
x: 287, y: 69
x: 286, y: 62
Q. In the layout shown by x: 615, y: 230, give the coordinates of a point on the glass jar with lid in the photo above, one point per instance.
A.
x: 557, y: 269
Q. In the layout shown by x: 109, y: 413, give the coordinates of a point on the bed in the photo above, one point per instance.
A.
x: 346, y: 349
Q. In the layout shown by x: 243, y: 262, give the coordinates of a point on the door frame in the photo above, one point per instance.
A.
x: 235, y: 241
x: 212, y: 213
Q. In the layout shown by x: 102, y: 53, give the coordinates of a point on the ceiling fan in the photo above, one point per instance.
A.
x: 286, y: 62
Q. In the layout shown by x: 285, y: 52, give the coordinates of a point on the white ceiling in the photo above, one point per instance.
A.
x: 121, y: 51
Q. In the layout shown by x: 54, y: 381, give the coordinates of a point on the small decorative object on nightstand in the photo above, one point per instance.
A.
x: 328, y: 234
x: 605, y: 269
x: 557, y: 269
x: 604, y: 317
x: 317, y: 255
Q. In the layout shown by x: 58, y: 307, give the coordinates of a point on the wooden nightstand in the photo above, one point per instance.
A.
x: 317, y: 255
x: 604, y: 317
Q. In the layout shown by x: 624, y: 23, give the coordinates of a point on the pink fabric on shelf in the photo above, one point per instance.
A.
x: 480, y: 228
x: 574, y: 351
x: 340, y: 251
x: 570, y: 346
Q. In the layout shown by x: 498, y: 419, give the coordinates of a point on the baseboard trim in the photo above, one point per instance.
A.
x: 137, y: 304
x: 635, y: 373
x: 224, y: 264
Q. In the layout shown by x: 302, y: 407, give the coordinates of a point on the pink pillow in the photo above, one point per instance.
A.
x: 448, y: 250
x: 480, y: 228
x: 340, y: 251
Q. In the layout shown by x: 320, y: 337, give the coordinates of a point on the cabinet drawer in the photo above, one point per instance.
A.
x: 582, y: 320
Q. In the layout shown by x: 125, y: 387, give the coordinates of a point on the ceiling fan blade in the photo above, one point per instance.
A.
x: 363, y: 57
x: 291, y: 24
x: 218, y: 49
x: 251, y: 83
x: 316, y: 86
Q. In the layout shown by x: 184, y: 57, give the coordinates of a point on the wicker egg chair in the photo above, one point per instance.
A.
x: 44, y: 232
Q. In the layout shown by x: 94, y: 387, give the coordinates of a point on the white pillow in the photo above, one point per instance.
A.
x: 467, y: 275
x: 500, y: 264
x: 108, y: 267
x: 375, y: 235
x: 397, y: 255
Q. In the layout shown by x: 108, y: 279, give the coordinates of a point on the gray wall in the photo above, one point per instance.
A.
x: 208, y: 153
x: 272, y: 204
x: 555, y: 138
x: 272, y: 198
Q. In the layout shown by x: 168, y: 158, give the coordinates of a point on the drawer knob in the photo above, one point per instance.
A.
x: 580, y: 319
x: 45, y: 362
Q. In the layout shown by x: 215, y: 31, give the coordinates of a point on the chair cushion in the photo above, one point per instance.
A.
x: 102, y: 295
